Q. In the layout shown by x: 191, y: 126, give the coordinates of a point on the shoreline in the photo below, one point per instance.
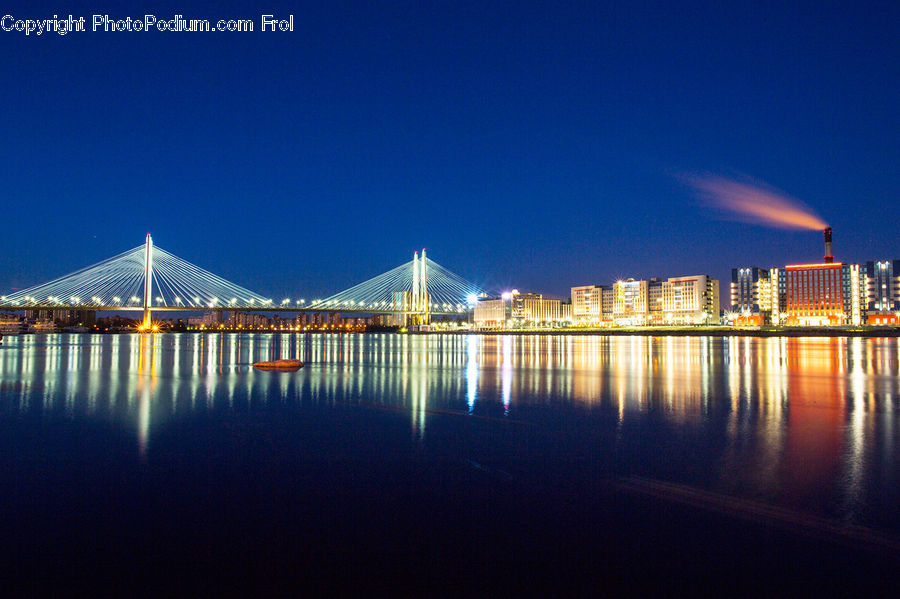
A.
x: 886, y: 332
x: 689, y: 332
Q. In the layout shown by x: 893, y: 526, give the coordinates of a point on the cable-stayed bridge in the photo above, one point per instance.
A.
x: 148, y: 278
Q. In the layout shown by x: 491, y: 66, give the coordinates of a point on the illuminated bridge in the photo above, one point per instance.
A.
x: 148, y: 278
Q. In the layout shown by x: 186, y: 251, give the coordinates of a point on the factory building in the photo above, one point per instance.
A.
x: 825, y: 293
x: 814, y: 294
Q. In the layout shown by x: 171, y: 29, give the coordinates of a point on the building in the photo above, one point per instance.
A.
x: 818, y: 294
x: 209, y: 320
x: 690, y: 300
x: 882, y: 292
x: 514, y: 309
x: 246, y: 320
x: 587, y: 303
x: 655, y: 301
x: 565, y: 312
x: 829, y: 293
x: 814, y: 294
x: 630, y: 302
x: 11, y: 324
x: 751, y: 295
x: 679, y: 300
x: 778, y: 294
x: 609, y: 297
x: 534, y: 309
x: 491, y: 312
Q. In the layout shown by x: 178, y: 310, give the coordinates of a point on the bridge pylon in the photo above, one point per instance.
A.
x: 148, y: 285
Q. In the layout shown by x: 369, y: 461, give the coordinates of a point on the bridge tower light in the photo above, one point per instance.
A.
x: 148, y: 280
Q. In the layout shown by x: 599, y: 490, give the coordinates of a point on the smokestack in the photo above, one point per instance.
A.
x: 829, y: 257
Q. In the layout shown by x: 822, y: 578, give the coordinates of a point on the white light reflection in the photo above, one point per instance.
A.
x: 794, y: 414
x: 506, y: 369
x: 471, y: 371
x: 856, y: 431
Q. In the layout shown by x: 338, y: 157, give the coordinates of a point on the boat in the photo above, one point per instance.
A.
x: 285, y: 365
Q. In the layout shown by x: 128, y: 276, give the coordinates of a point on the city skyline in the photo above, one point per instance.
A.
x: 534, y: 147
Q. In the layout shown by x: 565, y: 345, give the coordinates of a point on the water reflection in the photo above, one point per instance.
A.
x: 810, y: 418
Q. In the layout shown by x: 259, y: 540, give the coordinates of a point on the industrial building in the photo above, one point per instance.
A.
x: 825, y: 293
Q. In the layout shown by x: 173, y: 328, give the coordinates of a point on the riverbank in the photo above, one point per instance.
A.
x: 692, y: 331
x: 623, y: 331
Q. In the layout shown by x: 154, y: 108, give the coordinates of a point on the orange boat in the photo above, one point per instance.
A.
x: 279, y: 365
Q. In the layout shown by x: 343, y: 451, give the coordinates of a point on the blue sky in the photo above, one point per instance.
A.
x: 534, y: 145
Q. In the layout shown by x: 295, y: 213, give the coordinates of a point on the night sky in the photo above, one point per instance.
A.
x: 529, y: 145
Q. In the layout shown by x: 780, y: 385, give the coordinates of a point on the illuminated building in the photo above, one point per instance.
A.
x: 608, y: 300
x: 536, y: 309
x: 630, y: 300
x: 246, y: 320
x: 491, y: 312
x: 778, y: 294
x: 63, y: 317
x: 41, y: 325
x: 565, y: 312
x: 819, y: 294
x: 514, y: 309
x: 678, y: 300
x: 751, y: 295
x: 814, y: 294
x: 829, y: 293
x: 11, y: 324
x: 209, y: 320
x: 655, y: 301
x: 690, y: 300
x: 882, y: 290
x: 587, y: 303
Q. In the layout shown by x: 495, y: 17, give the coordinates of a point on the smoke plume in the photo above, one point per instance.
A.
x: 753, y: 202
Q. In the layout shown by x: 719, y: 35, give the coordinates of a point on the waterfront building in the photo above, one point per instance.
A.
x: 814, y: 296
x: 655, y: 302
x: 778, y: 295
x: 609, y: 299
x: 491, y: 312
x: 679, y: 300
x: 630, y: 300
x: 209, y: 320
x: 587, y: 303
x: 515, y: 309
x: 690, y: 300
x: 751, y: 295
x: 41, y: 325
x: 828, y: 293
x: 882, y: 291
x: 11, y: 324
x: 246, y: 320
x: 63, y: 317
x: 535, y: 309
x: 819, y: 294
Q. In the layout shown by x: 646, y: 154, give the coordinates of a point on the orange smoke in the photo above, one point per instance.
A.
x: 754, y: 202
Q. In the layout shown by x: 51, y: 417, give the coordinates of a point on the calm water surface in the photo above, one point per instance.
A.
x: 810, y: 424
